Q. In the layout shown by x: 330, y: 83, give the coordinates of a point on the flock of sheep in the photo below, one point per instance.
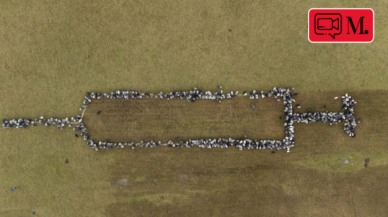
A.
x: 196, y: 94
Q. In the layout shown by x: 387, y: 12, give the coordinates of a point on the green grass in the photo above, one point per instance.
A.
x: 335, y: 162
x: 53, y: 52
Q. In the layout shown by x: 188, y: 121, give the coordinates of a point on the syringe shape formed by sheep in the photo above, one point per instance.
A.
x: 195, y: 94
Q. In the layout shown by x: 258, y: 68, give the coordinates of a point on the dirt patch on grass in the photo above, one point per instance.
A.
x: 123, y: 182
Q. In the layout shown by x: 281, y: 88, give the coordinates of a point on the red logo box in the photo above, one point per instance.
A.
x: 341, y: 25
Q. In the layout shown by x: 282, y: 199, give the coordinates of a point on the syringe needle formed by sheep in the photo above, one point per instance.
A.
x: 192, y: 96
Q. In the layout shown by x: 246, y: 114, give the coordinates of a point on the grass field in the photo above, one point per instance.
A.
x: 123, y: 120
x: 53, y: 52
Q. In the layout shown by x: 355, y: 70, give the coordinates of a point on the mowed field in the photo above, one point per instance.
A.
x: 53, y: 52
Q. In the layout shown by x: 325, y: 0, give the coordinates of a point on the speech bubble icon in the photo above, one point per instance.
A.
x: 328, y: 24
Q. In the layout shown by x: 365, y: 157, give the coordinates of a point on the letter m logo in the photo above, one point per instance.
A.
x: 360, y: 25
